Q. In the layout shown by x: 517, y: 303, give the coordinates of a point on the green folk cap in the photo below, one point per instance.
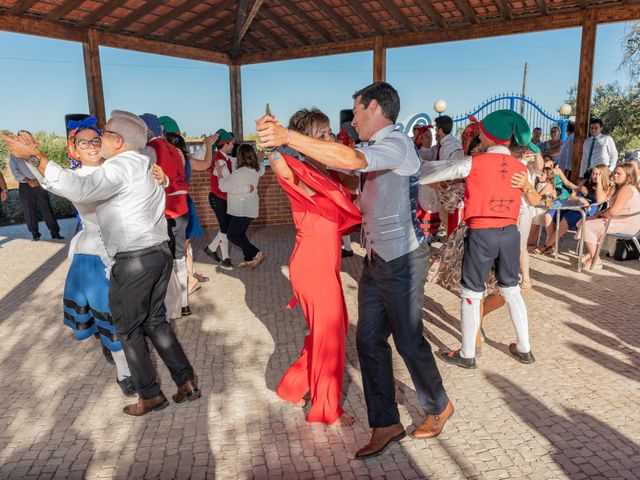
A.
x: 501, y: 125
x: 169, y: 124
x: 224, y: 136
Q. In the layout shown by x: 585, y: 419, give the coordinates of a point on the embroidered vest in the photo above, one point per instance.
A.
x: 169, y: 159
x: 215, y: 188
x: 489, y: 199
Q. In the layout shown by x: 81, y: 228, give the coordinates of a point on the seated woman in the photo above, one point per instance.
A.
x: 545, y: 186
x: 623, y: 213
x: 593, y: 191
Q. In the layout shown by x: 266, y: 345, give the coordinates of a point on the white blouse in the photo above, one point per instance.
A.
x: 241, y: 202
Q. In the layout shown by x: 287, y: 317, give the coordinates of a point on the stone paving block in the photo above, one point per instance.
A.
x: 549, y: 420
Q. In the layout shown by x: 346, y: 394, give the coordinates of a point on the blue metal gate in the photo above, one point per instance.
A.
x: 536, y: 116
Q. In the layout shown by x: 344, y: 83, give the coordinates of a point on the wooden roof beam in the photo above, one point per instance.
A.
x: 401, y: 17
x: 258, y: 27
x: 237, y: 40
x: 307, y: 51
x: 219, y: 11
x: 542, y: 6
x: 128, y: 42
x: 241, y: 17
x: 257, y: 40
x: 605, y: 14
x: 468, y: 11
x: 215, y: 10
x: 368, y: 18
x: 21, y: 7
x: 212, y: 30
x: 337, y: 19
x: 45, y: 28
x: 431, y: 12
x: 175, y: 13
x: 134, y: 15
x: 285, y: 25
x: 63, y: 9
x: 41, y: 28
x: 293, y: 8
x: 504, y: 9
x: 101, y: 12
x: 212, y: 41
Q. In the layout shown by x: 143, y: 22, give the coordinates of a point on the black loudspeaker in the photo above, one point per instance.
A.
x: 75, y: 117
x: 346, y: 117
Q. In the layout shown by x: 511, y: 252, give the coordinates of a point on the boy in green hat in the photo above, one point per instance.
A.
x: 491, y: 210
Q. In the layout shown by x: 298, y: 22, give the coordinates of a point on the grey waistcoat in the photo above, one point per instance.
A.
x: 389, y: 202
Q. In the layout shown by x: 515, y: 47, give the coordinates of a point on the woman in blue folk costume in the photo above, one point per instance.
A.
x: 86, y: 291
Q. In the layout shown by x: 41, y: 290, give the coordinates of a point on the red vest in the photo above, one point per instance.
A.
x: 489, y: 199
x: 169, y: 159
x: 215, y: 189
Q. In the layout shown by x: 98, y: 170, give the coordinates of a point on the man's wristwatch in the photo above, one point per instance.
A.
x: 34, y: 160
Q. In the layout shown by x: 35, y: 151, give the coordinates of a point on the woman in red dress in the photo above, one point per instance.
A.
x: 322, y: 212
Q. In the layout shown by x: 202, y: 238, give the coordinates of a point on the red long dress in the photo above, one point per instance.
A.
x: 314, y: 272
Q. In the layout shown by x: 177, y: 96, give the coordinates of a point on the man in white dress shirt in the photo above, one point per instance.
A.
x: 448, y: 148
x: 598, y: 149
x: 130, y: 212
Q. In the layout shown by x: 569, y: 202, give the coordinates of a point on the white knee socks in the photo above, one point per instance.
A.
x: 518, y: 313
x: 180, y: 266
x: 215, y: 243
x: 469, y: 321
x: 346, y: 242
x: 122, y: 367
x: 224, y: 246
x: 173, y: 298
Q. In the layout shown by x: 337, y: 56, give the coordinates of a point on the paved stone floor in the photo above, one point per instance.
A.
x: 573, y: 414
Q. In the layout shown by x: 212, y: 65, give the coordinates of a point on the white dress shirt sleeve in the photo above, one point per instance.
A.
x: 442, y: 170
x: 104, y: 183
x: 236, y: 183
x: 389, y: 154
x: 613, y: 152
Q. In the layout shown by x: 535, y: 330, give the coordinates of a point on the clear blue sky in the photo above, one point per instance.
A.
x: 43, y: 79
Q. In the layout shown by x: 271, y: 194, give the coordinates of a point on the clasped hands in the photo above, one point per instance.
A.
x: 22, y: 145
x: 271, y: 133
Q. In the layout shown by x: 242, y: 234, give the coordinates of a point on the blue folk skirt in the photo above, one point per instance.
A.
x: 86, y: 301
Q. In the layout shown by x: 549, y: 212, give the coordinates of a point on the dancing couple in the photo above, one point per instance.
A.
x: 391, y: 287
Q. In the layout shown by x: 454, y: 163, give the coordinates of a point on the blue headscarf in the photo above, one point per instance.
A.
x: 74, y: 126
x: 153, y: 123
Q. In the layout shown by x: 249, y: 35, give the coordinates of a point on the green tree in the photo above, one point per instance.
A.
x: 52, y: 145
x: 631, y: 50
x: 619, y: 109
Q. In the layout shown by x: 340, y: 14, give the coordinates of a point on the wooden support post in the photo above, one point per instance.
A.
x: 585, y: 83
x: 379, y: 60
x: 93, y: 74
x: 235, y: 87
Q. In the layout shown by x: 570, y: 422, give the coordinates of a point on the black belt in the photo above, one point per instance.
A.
x: 145, y: 251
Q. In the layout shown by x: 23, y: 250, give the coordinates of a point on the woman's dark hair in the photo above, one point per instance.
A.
x: 247, y: 157
x: 475, y: 141
x: 517, y: 150
x: 177, y: 141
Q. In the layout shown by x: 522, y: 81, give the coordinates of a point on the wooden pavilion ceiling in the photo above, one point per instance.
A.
x: 249, y: 31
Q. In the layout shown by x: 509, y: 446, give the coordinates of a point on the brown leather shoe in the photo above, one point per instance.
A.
x: 145, y: 406
x: 433, y: 424
x: 188, y: 391
x: 380, y: 438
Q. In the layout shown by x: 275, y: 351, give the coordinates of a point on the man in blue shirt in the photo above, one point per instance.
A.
x: 33, y: 198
